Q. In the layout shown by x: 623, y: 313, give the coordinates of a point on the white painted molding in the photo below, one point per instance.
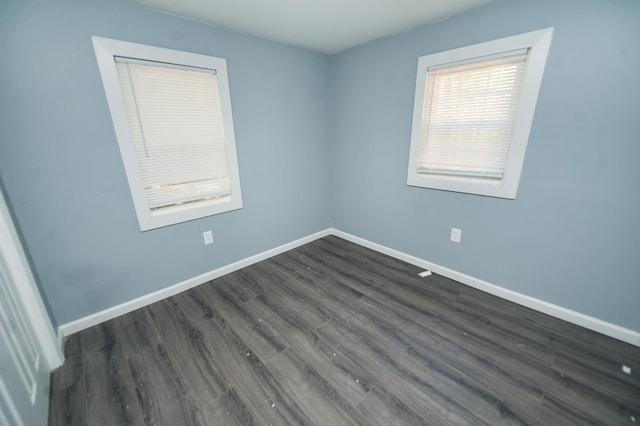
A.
x: 586, y: 321
x: 27, y: 290
x: 591, y: 323
x: 106, y: 50
x: 126, y: 307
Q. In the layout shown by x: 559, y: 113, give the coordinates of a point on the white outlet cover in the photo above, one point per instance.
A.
x: 456, y: 235
x: 207, y: 236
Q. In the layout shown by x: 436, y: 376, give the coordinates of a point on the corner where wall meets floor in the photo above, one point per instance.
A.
x: 586, y: 321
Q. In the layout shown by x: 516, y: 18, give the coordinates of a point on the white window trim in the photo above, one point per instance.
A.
x: 538, y: 42
x: 105, y: 50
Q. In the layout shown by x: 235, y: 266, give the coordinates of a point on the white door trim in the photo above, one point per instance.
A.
x: 29, y: 294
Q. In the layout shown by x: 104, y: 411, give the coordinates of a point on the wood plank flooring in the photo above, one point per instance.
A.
x: 332, y: 333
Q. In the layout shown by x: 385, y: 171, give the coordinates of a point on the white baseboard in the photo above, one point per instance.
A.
x: 586, y: 321
x: 126, y: 307
x: 595, y: 324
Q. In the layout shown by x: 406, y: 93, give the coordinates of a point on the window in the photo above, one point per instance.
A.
x: 473, y: 112
x: 171, y: 112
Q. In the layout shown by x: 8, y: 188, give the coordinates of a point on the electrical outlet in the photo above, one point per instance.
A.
x: 207, y: 236
x: 456, y: 234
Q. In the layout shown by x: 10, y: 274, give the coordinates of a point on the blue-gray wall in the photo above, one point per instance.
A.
x: 336, y: 131
x: 572, y: 236
x: 64, y: 177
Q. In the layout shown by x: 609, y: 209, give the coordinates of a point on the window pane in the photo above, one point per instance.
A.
x: 176, y: 123
x: 468, y: 115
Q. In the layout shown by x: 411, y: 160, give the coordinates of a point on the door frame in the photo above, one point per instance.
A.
x: 29, y: 294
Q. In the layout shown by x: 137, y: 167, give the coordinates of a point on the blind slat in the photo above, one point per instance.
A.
x: 175, y: 119
x: 468, y: 114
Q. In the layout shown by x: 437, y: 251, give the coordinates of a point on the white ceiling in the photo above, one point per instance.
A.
x: 328, y: 26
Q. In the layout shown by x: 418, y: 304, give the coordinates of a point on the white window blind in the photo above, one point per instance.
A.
x: 468, y: 115
x: 175, y: 118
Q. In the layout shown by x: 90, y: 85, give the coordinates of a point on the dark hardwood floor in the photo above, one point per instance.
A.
x: 332, y: 333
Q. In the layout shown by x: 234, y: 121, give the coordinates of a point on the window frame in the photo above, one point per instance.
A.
x: 106, y: 50
x: 538, y: 42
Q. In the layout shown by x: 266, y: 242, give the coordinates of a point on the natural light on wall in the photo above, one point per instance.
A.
x: 171, y: 111
x: 472, y: 114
